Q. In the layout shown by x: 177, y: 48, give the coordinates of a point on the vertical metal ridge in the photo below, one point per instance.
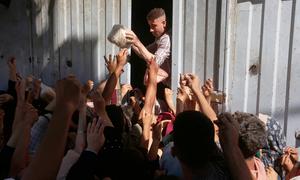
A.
x: 195, y: 39
x: 286, y: 110
x: 276, y: 59
x: 260, y: 59
x: 249, y: 38
x: 205, y: 40
x: 217, y: 45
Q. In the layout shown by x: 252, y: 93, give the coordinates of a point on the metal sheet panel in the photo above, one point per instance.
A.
x: 194, y: 38
x: 263, y: 71
x: 250, y: 47
x: 14, y: 39
x: 75, y: 42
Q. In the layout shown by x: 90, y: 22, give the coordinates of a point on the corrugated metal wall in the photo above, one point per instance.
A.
x: 196, y: 36
x: 250, y: 47
x: 263, y: 65
x: 14, y: 38
x: 69, y: 36
x: 52, y: 38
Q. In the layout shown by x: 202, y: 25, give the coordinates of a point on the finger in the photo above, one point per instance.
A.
x: 124, y: 52
x: 101, y: 130
x: 98, y: 124
x: 89, y: 127
x: 105, y: 59
x: 284, y: 159
x: 129, y: 36
x: 93, y: 127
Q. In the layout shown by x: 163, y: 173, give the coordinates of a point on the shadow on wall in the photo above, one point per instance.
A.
x: 14, y: 38
x: 54, y: 58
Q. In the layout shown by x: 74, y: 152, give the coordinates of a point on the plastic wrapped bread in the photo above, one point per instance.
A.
x: 118, y: 37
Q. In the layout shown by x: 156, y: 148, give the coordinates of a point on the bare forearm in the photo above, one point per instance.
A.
x: 179, y: 106
x: 13, y: 75
x: 82, y: 119
x: 204, y: 106
x: 111, y: 84
x: 54, y: 142
x: 152, y: 155
x: 150, y: 97
x: 18, y: 161
x: 143, y: 52
x: 145, y: 135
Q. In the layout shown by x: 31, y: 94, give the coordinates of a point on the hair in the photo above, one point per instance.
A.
x: 194, y: 143
x: 252, y: 133
x: 155, y: 13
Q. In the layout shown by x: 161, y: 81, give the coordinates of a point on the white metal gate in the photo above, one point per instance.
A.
x: 250, y: 47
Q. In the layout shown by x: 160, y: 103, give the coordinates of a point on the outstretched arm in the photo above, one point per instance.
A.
x: 114, y: 77
x: 20, y: 155
x: 194, y: 83
x: 229, y: 137
x: 67, y: 101
x: 138, y: 46
x: 146, y: 113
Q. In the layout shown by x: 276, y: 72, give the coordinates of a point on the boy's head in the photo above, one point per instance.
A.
x: 156, y: 19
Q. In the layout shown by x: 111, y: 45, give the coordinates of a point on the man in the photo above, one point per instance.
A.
x: 160, y: 49
x: 197, y: 152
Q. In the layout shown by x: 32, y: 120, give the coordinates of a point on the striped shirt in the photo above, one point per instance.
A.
x: 161, y: 48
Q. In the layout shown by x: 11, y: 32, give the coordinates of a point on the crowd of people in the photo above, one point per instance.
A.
x: 108, y: 130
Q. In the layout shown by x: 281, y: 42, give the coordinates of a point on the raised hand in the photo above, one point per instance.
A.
x: 122, y: 58
x: 5, y: 98
x: 87, y: 87
x: 158, y: 128
x: 12, y: 65
x: 99, y: 102
x: 95, y: 136
x: 192, y: 81
x: 68, y: 92
x: 181, y: 94
x: 208, y: 88
x: 20, y: 89
x: 286, y: 162
x: 292, y: 152
x: 182, y: 80
x: 110, y: 63
x: 125, y: 88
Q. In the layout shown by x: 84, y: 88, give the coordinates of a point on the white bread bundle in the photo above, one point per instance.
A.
x: 118, y: 37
